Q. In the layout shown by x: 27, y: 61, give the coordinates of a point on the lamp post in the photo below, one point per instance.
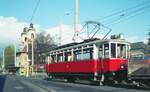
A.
x: 3, y: 66
x: 15, y: 56
x: 27, y: 74
x: 32, y: 38
x: 60, y: 27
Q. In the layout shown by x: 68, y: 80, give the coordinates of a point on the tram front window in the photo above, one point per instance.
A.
x: 113, y: 50
x: 121, y: 51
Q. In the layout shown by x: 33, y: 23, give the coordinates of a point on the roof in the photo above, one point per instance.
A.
x: 86, y: 42
x: 18, y: 53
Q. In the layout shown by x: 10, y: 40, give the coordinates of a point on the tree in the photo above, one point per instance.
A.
x: 43, y: 44
x: 9, y: 55
x: 1, y: 61
x: 149, y: 38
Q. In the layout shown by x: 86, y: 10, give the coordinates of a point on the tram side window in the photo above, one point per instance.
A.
x: 121, y: 49
x: 53, y: 59
x: 77, y: 55
x: 49, y: 59
x: 106, y: 50
x: 68, y: 56
x: 113, y: 50
x: 87, y: 54
x: 60, y: 57
x: 100, y: 52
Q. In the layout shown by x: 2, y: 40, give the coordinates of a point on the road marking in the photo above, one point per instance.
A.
x: 19, y: 87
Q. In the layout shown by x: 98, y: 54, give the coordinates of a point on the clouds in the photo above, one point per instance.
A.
x: 10, y: 30
x: 62, y: 33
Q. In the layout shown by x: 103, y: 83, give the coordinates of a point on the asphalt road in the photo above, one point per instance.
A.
x: 11, y: 83
x: 59, y: 86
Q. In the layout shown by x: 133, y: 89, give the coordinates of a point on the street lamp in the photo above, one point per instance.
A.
x: 3, y: 66
x: 60, y: 27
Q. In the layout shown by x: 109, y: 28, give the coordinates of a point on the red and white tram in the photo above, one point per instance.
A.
x: 94, y: 60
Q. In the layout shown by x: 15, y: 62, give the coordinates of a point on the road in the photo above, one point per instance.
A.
x: 61, y: 86
x: 12, y: 83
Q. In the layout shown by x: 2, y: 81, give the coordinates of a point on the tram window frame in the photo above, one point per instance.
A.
x: 53, y: 59
x: 113, y: 50
x: 67, y: 56
x: 100, y: 52
x: 106, y: 50
x: 60, y: 57
x: 48, y: 59
x: 87, y: 54
x: 121, y: 52
x: 77, y: 55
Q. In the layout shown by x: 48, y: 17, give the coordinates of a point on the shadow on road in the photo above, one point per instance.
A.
x: 2, y: 82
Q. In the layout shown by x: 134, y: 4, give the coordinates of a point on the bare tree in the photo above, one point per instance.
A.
x: 43, y: 44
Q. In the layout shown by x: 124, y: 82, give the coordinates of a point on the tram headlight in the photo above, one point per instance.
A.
x: 122, y: 66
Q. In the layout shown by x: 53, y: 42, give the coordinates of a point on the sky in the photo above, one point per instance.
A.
x: 51, y: 15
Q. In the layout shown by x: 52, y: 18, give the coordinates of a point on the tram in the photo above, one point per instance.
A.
x: 95, y: 60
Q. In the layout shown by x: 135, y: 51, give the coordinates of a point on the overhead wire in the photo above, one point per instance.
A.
x: 125, y: 13
x: 129, y: 15
x: 34, y: 11
x: 124, y: 10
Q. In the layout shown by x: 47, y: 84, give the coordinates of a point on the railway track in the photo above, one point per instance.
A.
x: 130, y: 85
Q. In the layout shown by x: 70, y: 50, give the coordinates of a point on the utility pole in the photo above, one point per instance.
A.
x: 75, y: 19
x: 27, y: 74
x: 149, y: 37
x: 15, y: 56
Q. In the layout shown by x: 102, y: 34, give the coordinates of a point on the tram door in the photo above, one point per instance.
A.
x: 104, y: 55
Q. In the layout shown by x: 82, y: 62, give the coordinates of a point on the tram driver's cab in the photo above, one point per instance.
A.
x: 113, y: 57
x: 114, y: 50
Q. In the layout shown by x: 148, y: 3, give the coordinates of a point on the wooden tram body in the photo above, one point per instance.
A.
x: 95, y: 60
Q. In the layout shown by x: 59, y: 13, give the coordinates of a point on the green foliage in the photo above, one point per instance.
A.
x: 9, y: 55
x: 1, y: 61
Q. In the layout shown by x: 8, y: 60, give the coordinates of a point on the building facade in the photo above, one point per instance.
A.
x: 25, y: 57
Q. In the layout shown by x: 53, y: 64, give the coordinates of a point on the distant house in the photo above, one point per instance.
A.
x: 140, y: 51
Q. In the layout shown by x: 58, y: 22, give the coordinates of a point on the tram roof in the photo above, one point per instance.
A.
x: 86, y: 42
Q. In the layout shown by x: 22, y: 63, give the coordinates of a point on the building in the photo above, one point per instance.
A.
x: 140, y: 51
x: 139, y: 58
x: 25, y: 57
